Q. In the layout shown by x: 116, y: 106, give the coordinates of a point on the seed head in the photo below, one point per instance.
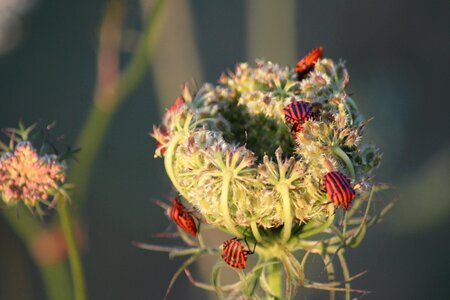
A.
x: 30, y: 176
x: 232, y: 154
x: 26, y: 176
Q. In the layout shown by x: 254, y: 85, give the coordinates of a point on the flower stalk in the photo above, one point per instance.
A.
x: 255, y: 232
x: 224, y: 200
x: 169, y: 161
x: 76, y: 267
x: 283, y: 189
x: 345, y: 272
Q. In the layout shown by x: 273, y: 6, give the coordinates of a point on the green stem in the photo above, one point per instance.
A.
x: 89, y: 141
x: 330, y: 271
x: 74, y: 257
x: 283, y: 189
x: 346, y: 274
x: 255, y: 231
x: 225, y: 195
x: 201, y: 242
x: 318, y: 229
x: 56, y: 281
x: 144, y: 52
x: 169, y: 161
x: 342, y: 155
x: 275, y: 280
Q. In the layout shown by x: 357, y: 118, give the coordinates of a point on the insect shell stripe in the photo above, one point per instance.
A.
x: 346, y: 185
x: 243, y: 260
x: 297, y: 110
x: 334, y: 192
x: 339, y: 190
x: 227, y: 250
x: 329, y: 186
x: 235, y: 253
x: 343, y: 186
x: 228, y: 254
x: 289, y: 113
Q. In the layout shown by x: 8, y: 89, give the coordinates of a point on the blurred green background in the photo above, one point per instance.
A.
x: 397, y: 53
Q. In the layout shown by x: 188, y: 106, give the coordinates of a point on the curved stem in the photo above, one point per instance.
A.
x: 169, y: 160
x: 225, y: 195
x: 318, y: 229
x: 74, y: 257
x: 342, y: 155
x: 201, y: 242
x: 255, y: 231
x: 283, y: 189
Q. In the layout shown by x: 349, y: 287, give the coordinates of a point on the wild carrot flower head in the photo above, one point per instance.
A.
x: 27, y: 175
x: 272, y: 154
x: 235, y: 137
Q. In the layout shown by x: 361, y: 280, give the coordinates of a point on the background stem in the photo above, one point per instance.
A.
x: 74, y: 257
x: 55, y: 277
x: 346, y: 274
x: 56, y: 281
x: 108, y: 99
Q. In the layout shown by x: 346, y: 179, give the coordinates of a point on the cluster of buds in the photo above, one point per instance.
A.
x: 29, y: 176
x: 269, y: 154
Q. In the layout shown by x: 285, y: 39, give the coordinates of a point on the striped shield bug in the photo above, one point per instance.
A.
x: 306, y: 64
x: 234, y: 253
x: 339, y: 189
x: 182, y: 217
x: 297, y: 113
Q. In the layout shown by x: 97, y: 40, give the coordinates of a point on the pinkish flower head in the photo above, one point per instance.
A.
x: 29, y: 177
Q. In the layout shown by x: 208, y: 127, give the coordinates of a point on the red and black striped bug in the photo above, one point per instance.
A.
x: 297, y: 113
x: 182, y: 217
x: 305, y: 65
x: 339, y: 189
x: 234, y: 253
